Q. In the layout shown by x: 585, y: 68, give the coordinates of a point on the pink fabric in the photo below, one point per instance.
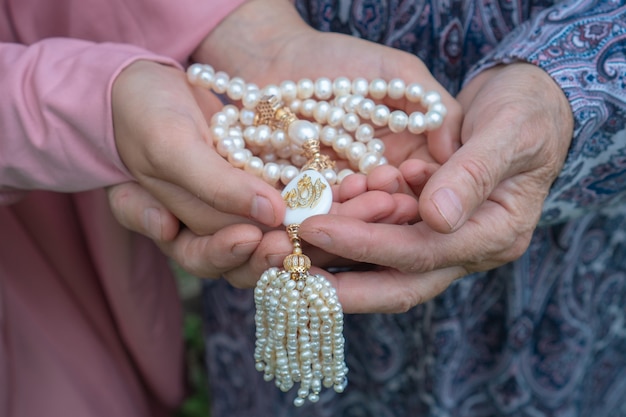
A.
x: 89, y: 313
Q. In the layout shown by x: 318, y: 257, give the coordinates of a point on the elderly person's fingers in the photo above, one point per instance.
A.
x: 517, y: 127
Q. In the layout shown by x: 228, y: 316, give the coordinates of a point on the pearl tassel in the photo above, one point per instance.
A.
x: 299, y: 331
x: 299, y: 319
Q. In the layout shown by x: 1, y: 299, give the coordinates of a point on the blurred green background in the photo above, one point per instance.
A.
x: 197, y: 404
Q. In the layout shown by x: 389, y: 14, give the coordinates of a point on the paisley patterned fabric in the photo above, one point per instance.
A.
x: 542, y: 336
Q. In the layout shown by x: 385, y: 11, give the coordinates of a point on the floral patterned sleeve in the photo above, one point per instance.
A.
x: 582, y: 45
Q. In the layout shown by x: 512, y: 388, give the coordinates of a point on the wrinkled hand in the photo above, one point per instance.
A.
x: 479, y: 209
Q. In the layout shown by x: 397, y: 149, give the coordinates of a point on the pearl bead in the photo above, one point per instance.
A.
x: 365, y: 108
x: 279, y: 139
x: 219, y: 118
x: 254, y: 166
x: 262, y: 135
x: 335, y: 116
x: 248, y: 135
x: 294, y: 106
x: 439, y: 108
x: 380, y: 115
x: 360, y: 86
x: 288, y: 90
x: 320, y: 113
x: 218, y: 132
x: 306, y: 88
x: 340, y: 101
x: 301, y: 131
x: 323, y: 88
x: 341, y: 86
x: 251, y: 98
x: 298, y: 159
x: 288, y: 173
x: 308, y: 107
x: 204, y: 77
x: 378, y: 89
x: 239, y: 157
x: 246, y: 117
x: 225, y: 147
x: 351, y: 104
x: 396, y: 88
x: 414, y: 93
x: 376, y: 146
x: 328, y: 135
x: 355, y: 151
x: 433, y: 120
x: 271, y: 173
x: 238, y: 140
x: 268, y: 156
x: 272, y: 90
x: 364, y: 133
x: 231, y: 112
x: 235, y: 89
x: 341, y: 143
x: 285, y: 152
x: 193, y: 71
x: 417, y: 123
x: 220, y: 82
x: 330, y: 175
x: 398, y: 121
x: 350, y: 122
x: 431, y: 98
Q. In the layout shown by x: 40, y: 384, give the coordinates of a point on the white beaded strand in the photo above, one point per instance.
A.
x: 339, y: 104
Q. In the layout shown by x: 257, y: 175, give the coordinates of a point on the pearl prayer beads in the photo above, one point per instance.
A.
x: 299, y: 319
x: 342, y: 114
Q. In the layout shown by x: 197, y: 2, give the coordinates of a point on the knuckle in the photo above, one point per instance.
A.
x: 479, y: 176
x: 406, y: 300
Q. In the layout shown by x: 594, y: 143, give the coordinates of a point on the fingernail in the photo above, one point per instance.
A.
x: 317, y: 237
x: 262, y: 211
x: 244, y: 249
x: 275, y: 259
x: 448, y: 205
x: 152, y: 222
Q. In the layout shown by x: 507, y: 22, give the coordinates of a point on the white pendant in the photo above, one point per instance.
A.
x: 308, y: 194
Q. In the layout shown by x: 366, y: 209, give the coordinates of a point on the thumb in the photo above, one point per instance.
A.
x: 462, y: 184
x: 137, y: 210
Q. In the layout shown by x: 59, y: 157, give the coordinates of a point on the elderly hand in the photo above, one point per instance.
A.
x: 479, y: 209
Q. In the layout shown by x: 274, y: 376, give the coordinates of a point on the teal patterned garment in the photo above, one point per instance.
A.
x: 544, y: 336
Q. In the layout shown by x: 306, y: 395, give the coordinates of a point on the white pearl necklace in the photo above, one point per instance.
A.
x: 299, y: 320
x: 336, y: 110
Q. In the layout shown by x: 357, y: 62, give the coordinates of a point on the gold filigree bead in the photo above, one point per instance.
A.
x: 271, y: 112
x: 297, y: 265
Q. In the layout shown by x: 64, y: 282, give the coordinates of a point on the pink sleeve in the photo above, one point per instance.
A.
x: 166, y: 27
x: 58, y: 61
x: 55, y: 116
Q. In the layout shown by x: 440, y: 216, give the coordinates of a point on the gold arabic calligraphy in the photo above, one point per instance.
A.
x: 305, y: 194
